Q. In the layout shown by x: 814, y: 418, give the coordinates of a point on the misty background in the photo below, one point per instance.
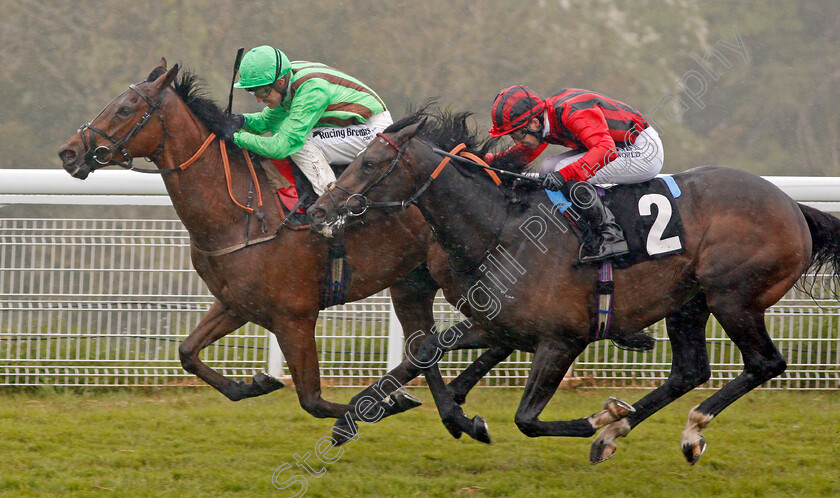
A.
x: 751, y: 85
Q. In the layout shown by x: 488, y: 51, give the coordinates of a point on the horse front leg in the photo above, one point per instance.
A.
x: 389, y: 387
x: 451, y: 414
x: 297, y: 341
x: 474, y: 338
x: 215, y: 324
x: 413, y: 298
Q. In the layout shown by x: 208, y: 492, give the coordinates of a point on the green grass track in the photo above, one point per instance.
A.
x: 188, y: 442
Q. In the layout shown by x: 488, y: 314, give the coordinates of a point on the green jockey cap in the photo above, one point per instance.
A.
x: 262, y: 66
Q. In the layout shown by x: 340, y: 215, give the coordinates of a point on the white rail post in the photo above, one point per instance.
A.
x: 395, y: 338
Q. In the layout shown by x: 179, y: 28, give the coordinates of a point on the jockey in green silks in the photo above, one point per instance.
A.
x: 316, y: 115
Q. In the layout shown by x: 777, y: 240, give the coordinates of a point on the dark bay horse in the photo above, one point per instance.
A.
x: 257, y: 275
x: 746, y: 244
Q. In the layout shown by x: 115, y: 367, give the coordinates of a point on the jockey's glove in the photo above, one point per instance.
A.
x: 553, y: 181
x: 233, y: 123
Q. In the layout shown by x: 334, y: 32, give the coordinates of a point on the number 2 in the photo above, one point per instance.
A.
x: 655, y: 243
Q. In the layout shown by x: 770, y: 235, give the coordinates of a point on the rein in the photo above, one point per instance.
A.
x: 255, y: 185
x: 459, y: 154
x: 473, y: 160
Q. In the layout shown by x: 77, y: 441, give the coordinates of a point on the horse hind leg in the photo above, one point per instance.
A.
x: 762, y: 362
x: 549, y: 365
x: 469, y: 377
x: 217, y: 323
x: 689, y: 369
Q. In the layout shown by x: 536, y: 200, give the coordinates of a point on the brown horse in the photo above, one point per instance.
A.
x: 256, y: 274
x: 746, y: 244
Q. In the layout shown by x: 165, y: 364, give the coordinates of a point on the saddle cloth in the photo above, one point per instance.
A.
x: 286, y: 183
x: 647, y: 213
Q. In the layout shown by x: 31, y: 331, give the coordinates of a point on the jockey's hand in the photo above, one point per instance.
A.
x: 234, y: 123
x: 553, y: 181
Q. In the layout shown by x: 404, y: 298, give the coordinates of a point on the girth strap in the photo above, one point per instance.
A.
x: 334, y: 290
x: 604, y: 290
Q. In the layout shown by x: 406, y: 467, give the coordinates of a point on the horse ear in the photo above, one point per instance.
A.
x: 408, y: 132
x: 170, y: 75
x: 157, y: 71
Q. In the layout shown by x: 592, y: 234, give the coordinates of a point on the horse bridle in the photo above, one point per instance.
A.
x: 365, y: 205
x: 104, y: 155
x: 346, y: 210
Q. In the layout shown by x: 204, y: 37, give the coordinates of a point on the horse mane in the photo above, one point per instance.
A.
x: 190, y: 89
x: 446, y: 128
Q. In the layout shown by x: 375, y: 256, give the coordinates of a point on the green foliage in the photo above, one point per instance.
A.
x: 775, y: 113
x: 194, y: 442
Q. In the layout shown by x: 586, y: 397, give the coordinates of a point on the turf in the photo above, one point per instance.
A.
x: 193, y: 442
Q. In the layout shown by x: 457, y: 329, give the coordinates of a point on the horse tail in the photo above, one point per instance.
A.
x: 825, y: 243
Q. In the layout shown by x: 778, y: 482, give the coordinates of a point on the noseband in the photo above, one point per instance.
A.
x: 103, y: 155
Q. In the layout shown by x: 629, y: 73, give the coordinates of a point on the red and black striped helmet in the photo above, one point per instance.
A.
x: 513, y: 108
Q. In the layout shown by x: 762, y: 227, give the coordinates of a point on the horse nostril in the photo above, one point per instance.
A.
x: 317, y: 214
x: 67, y: 155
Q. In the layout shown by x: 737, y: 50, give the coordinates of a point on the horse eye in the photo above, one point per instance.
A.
x: 368, y: 165
x: 124, y: 112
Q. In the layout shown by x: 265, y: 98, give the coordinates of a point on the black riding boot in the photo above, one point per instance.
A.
x: 602, y: 236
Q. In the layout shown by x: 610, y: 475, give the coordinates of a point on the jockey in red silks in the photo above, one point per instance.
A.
x: 611, y: 143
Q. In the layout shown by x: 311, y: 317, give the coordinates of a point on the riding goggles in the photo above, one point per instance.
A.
x: 261, y: 91
x: 519, y: 133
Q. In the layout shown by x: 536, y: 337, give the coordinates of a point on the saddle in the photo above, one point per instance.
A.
x: 647, y: 214
x: 650, y: 219
x: 294, y: 190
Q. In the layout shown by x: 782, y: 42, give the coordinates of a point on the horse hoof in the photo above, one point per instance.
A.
x: 601, y: 452
x: 265, y: 383
x: 481, y: 432
x: 693, y: 451
x: 402, y: 401
x: 619, y: 409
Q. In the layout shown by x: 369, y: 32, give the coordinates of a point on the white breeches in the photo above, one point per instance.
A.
x: 339, y: 146
x: 635, y: 163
